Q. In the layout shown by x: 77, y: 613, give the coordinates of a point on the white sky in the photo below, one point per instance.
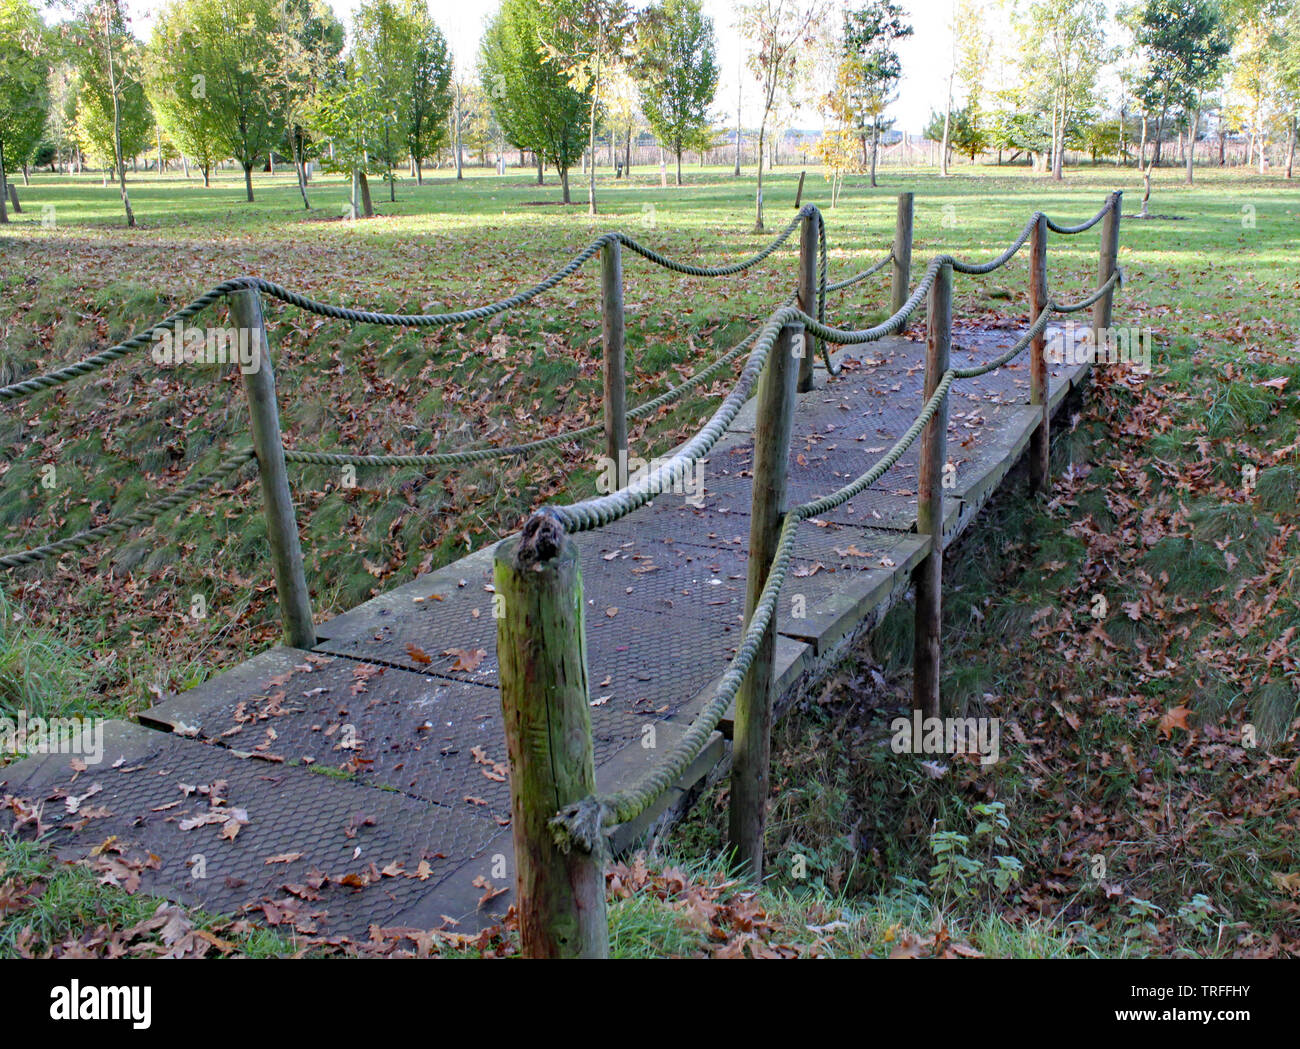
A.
x: 925, y: 55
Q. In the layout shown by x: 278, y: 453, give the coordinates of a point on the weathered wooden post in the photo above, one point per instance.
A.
x: 807, y: 300
x: 1106, y: 262
x: 902, y: 254
x: 1040, y: 441
x: 798, y: 196
x: 615, y: 359
x: 928, y: 576
x: 752, y: 727
x: 542, y: 653
x: 277, y: 500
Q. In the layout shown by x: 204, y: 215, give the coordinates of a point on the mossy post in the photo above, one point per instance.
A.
x: 752, y: 726
x: 1040, y: 439
x: 542, y: 653
x: 615, y: 356
x: 902, y: 249
x: 277, y: 500
x: 1106, y: 262
x: 807, y: 300
x: 928, y: 575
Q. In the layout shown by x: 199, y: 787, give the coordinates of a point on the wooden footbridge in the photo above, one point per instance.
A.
x: 488, y: 733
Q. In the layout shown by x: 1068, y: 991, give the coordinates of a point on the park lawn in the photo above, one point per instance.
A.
x: 1147, y: 516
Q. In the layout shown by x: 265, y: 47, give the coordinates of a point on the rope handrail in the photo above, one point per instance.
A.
x: 505, y: 451
x: 583, y: 822
x: 99, y: 360
x: 1086, y: 225
x: 146, y: 514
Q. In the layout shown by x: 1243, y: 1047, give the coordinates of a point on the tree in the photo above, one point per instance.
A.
x: 301, y: 62
x: 430, y: 98
x: 112, y: 113
x: 869, y: 71
x: 1069, y: 36
x: 776, y: 28
x: 24, y: 87
x: 350, y: 112
x: 175, y: 75
x: 677, y: 74
x: 231, y: 40
x: 537, y: 106
x: 585, y: 38
x: 1185, y: 43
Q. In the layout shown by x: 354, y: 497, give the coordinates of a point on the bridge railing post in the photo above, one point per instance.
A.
x: 542, y: 655
x: 277, y: 500
x: 614, y: 368
x: 902, y: 248
x: 807, y: 300
x: 752, y: 726
x: 1040, y: 440
x: 928, y: 575
x: 1106, y: 262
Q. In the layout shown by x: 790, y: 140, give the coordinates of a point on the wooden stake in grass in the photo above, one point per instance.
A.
x: 902, y: 254
x: 615, y: 359
x: 277, y: 500
x: 928, y: 576
x: 752, y: 728
x: 1040, y: 440
x: 542, y: 652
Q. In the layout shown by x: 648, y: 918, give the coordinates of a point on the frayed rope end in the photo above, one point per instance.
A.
x: 582, y: 824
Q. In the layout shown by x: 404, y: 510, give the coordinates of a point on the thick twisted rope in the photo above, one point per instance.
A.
x: 408, y: 320
x: 1105, y: 208
x: 583, y: 822
x: 505, y: 451
x: 93, y: 363
x: 144, y: 515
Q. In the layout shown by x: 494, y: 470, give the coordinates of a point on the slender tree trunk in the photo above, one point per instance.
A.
x: 758, y: 198
x: 1290, y: 146
x: 679, y: 163
x: 591, y: 144
x: 1142, y: 145
x: 564, y: 184
x: 875, y: 151
x: 299, y: 166
x: 460, y: 173
x: 367, y: 208
x: 248, y: 180
x: 207, y: 171
x: 540, y: 179
x: 1193, y: 118
x: 4, y: 204
x: 947, y: 121
x: 740, y: 94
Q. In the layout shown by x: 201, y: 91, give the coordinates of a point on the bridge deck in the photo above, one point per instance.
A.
x: 365, y: 782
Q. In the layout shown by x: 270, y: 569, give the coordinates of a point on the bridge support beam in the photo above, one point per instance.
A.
x: 542, y: 652
x: 928, y: 575
x: 277, y: 500
x: 752, y: 728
